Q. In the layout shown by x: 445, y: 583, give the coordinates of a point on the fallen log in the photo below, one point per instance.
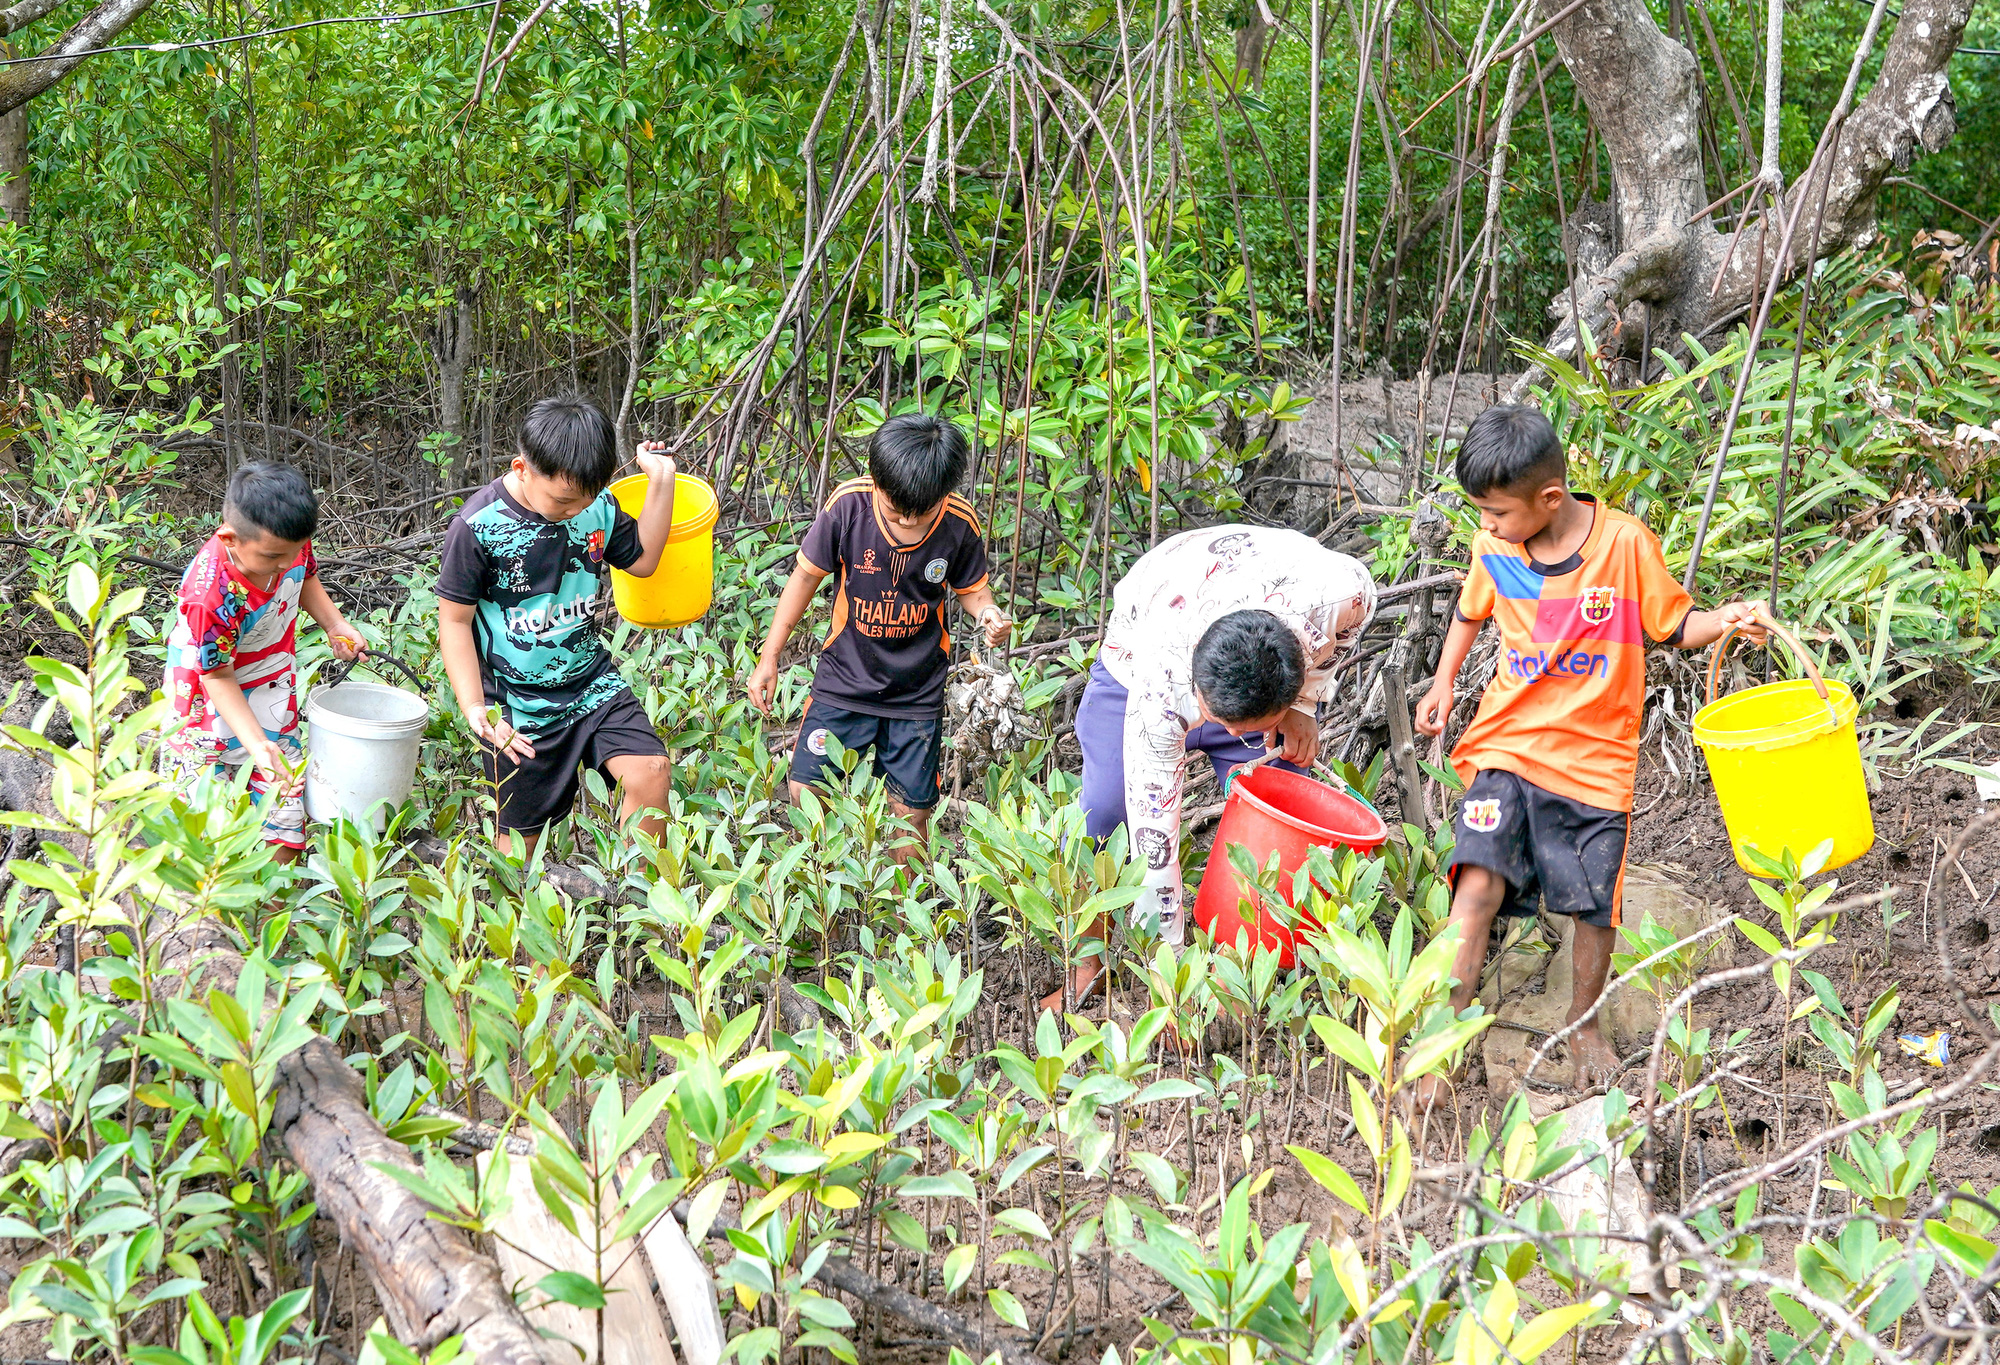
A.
x: 939, y: 1321
x: 431, y: 1283
x: 842, y: 1274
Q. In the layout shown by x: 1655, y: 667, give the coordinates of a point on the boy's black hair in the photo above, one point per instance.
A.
x: 1508, y: 448
x: 916, y: 459
x: 569, y: 437
x: 270, y: 499
x: 1248, y: 665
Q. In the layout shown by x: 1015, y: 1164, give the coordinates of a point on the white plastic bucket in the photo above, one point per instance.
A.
x: 362, y: 750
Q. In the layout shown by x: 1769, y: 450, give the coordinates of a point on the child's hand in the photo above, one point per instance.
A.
x: 654, y: 460
x: 346, y: 640
x: 997, y: 626
x: 1747, y: 617
x: 276, y: 765
x: 1435, y: 709
x: 511, y: 742
x: 763, y: 684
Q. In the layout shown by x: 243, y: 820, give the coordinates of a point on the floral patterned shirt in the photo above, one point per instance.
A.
x: 1159, y: 612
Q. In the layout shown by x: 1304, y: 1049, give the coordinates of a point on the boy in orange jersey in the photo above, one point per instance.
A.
x: 1550, y: 758
x: 903, y: 542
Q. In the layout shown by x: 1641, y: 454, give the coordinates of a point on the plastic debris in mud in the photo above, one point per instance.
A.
x: 1934, y: 1048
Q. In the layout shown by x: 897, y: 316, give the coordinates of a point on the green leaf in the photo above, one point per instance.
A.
x: 1166, y: 1182
x: 572, y: 1288
x: 824, y: 1312
x: 794, y: 1157
x: 958, y: 1267
x: 1551, y: 1327
x: 951, y: 1185
x: 1023, y: 1222
x: 1007, y: 1308
x: 1972, y: 1255
x: 1332, y: 1176
x: 1757, y: 933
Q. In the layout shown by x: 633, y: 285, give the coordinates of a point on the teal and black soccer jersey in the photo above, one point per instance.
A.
x: 534, y: 584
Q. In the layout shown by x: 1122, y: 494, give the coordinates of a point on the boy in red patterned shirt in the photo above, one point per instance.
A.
x: 230, y: 668
x: 1576, y: 589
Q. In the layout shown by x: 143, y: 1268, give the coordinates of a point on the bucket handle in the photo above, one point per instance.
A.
x: 342, y: 668
x: 1772, y: 624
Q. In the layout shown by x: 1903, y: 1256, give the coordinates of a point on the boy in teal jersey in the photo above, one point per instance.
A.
x: 523, y: 563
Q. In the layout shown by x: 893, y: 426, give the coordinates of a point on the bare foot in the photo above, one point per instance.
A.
x: 1082, y: 984
x: 1596, y: 1059
x: 1426, y: 1094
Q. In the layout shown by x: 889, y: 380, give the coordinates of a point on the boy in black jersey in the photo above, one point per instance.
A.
x: 901, y: 542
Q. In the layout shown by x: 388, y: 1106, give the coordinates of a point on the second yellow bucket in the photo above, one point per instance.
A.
x: 1786, y: 763
x: 684, y: 583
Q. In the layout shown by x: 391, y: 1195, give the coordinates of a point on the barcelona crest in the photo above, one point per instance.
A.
x: 1596, y: 604
x: 1483, y: 816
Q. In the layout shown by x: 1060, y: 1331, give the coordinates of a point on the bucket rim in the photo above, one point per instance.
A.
x: 1243, y: 789
x: 697, y: 525
x: 1840, y: 710
x: 412, y: 724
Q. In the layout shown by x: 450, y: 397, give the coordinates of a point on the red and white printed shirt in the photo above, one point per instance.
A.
x: 222, y: 621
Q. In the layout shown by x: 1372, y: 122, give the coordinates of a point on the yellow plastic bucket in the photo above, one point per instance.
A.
x: 684, y: 583
x: 1786, y: 763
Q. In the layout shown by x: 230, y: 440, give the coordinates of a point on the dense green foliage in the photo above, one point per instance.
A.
x: 348, y: 164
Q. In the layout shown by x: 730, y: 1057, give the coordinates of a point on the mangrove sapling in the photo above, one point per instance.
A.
x: 1805, y: 931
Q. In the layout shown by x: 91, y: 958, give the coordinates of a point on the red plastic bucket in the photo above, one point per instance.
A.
x: 1274, y: 811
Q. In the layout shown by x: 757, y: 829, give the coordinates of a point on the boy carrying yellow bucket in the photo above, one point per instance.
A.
x: 1576, y: 588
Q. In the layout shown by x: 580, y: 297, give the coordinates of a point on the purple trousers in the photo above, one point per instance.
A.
x: 1100, y: 729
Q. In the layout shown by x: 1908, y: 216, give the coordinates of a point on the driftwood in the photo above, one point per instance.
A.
x: 939, y: 1321
x: 687, y: 1289
x: 572, y: 882
x: 530, y: 1243
x: 430, y: 1281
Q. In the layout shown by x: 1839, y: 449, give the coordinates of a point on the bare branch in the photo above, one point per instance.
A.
x: 19, y: 84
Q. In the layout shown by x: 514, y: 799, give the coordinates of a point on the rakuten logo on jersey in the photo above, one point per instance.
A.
x: 547, y: 620
x: 1569, y: 665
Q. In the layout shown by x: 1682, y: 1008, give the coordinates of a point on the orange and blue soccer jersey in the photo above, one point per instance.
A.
x: 1563, y: 708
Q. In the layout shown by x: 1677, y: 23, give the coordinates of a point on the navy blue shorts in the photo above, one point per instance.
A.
x: 1543, y: 845
x: 905, y: 749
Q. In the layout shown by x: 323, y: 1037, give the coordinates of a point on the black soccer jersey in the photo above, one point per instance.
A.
x: 888, y: 651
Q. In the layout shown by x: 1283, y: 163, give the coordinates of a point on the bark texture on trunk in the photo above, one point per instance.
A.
x: 99, y: 28
x: 456, y: 344
x: 1253, y: 45
x: 14, y: 207
x: 1652, y: 264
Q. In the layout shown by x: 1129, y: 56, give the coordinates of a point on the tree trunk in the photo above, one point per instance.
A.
x: 1656, y: 249
x: 99, y: 28
x: 1253, y: 44
x: 456, y: 343
x: 13, y: 208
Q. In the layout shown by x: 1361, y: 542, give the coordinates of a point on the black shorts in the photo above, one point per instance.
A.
x: 906, y: 749
x: 1545, y: 846
x: 542, y: 789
